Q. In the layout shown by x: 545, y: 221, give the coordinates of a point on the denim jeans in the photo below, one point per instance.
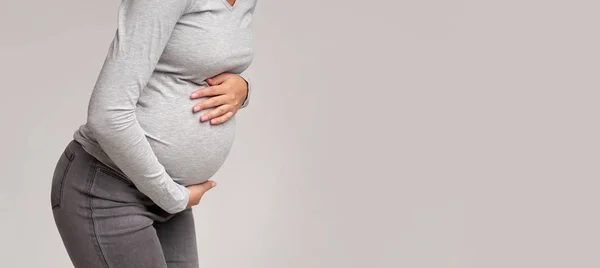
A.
x: 105, y: 222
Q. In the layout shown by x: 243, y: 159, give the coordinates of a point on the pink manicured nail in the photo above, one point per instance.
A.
x: 196, y: 108
x: 194, y: 95
x: 203, y: 118
x: 214, y: 184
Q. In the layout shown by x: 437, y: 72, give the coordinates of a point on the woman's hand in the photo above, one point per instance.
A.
x: 228, y: 93
x: 198, y: 190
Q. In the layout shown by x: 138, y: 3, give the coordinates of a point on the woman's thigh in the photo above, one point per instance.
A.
x: 103, y: 220
x: 177, y: 236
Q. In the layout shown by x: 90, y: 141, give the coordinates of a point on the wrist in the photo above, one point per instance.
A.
x: 248, y: 91
x: 247, y: 88
x: 188, y: 200
x: 186, y: 197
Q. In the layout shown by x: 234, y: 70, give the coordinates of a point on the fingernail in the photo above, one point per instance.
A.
x: 194, y: 95
x: 196, y: 108
x: 214, y: 184
x: 202, y: 118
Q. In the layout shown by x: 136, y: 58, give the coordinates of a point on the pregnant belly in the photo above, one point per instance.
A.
x: 191, y: 151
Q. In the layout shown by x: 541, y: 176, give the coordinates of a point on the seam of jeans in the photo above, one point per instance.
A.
x: 92, y: 176
x: 69, y: 153
x: 62, y: 183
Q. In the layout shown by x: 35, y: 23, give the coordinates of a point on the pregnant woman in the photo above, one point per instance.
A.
x: 160, y: 123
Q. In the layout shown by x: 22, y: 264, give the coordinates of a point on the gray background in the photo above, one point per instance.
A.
x: 380, y: 134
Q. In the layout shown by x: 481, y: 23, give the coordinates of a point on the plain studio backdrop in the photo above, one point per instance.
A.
x: 380, y: 134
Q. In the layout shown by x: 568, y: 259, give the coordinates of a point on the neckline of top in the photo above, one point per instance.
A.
x: 230, y: 6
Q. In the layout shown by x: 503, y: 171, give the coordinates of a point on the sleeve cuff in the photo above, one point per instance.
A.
x: 248, y: 81
x: 182, y: 203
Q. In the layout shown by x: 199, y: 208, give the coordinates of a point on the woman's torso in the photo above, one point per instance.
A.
x: 211, y: 39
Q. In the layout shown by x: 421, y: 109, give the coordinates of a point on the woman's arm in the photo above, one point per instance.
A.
x: 144, y: 27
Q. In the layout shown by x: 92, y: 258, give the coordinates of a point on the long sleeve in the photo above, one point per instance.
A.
x: 144, y: 27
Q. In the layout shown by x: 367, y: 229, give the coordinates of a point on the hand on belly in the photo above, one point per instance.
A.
x: 226, y: 93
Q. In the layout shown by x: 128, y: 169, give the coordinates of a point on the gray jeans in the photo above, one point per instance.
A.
x: 106, y: 222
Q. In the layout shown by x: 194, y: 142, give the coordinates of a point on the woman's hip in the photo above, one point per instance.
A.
x: 81, y: 183
x: 101, y: 216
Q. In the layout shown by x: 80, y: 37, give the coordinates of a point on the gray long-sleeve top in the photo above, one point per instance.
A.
x: 140, y: 120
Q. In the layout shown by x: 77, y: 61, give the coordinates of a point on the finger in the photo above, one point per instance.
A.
x: 207, y: 185
x: 200, y: 189
x: 221, y: 110
x: 208, y: 91
x: 211, y: 102
x: 222, y: 118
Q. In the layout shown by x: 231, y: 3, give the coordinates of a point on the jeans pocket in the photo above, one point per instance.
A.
x: 60, y: 173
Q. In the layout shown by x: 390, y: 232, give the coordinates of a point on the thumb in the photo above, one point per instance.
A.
x: 217, y: 79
